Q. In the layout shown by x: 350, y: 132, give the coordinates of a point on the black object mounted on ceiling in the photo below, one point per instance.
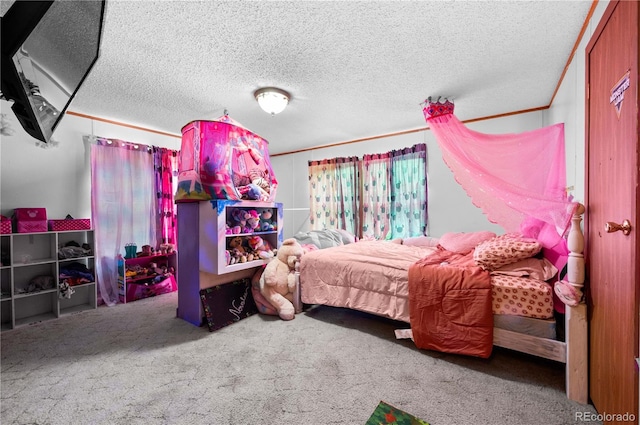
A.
x: 48, y: 49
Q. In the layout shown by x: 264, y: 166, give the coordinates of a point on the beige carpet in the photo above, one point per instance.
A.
x: 138, y: 364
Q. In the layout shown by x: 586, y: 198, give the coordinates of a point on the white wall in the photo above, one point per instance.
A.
x: 57, y: 178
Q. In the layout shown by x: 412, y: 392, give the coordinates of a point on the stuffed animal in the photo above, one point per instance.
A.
x: 239, y: 219
x: 266, y: 224
x: 237, y: 251
x: 261, y: 247
x: 253, y: 192
x: 277, y: 283
x: 66, y: 290
x: 253, y: 221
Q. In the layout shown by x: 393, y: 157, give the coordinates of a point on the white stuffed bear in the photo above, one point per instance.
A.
x: 277, y: 283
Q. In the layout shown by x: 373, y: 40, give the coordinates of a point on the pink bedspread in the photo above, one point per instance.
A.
x: 450, y: 303
x: 368, y: 276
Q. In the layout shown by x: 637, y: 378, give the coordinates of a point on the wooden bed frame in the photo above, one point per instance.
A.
x: 573, y: 351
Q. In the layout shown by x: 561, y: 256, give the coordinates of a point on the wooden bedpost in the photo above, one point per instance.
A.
x: 576, y: 333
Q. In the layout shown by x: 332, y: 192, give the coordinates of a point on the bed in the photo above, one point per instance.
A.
x: 481, y: 309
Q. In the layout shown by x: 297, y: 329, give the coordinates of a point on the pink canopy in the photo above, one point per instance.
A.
x: 518, y: 180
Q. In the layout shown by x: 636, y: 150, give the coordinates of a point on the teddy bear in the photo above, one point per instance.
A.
x: 277, y: 283
x: 237, y: 251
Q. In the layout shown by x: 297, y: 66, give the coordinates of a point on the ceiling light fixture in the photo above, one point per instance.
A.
x: 272, y: 100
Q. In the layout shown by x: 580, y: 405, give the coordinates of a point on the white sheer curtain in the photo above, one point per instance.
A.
x: 123, y: 206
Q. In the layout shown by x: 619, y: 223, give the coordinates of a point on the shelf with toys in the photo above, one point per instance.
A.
x: 147, y: 275
x: 251, y: 236
x: 245, y: 234
x: 220, y: 241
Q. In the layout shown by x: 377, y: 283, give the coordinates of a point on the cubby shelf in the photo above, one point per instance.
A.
x: 204, y: 242
x: 26, y: 256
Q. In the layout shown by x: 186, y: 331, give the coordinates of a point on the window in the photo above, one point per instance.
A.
x: 381, y: 196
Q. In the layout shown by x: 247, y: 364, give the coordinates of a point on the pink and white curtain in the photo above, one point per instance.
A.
x: 166, y: 172
x: 123, y: 206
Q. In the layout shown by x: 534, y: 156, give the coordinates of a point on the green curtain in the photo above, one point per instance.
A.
x: 375, y: 171
x: 409, y: 192
x: 333, y: 194
x: 381, y: 196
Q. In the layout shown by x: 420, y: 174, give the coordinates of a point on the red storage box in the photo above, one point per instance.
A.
x: 5, y: 225
x: 70, y: 224
x: 29, y: 220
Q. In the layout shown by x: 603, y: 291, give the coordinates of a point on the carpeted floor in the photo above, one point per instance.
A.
x: 139, y: 364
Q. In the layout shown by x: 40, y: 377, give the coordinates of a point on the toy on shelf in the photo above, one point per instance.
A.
x: 266, y: 222
x: 166, y: 248
x: 253, y: 222
x: 130, y: 251
x: 242, y: 221
x: 237, y: 253
x: 146, y: 276
x: 261, y: 248
x: 147, y: 251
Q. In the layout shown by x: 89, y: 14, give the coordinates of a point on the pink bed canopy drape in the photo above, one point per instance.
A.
x: 517, y: 180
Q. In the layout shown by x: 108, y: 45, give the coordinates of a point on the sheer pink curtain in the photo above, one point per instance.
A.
x: 123, y: 206
x: 518, y: 180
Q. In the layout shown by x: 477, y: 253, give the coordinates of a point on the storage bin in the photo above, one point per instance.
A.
x: 140, y: 291
x: 70, y: 224
x: 5, y: 225
x: 30, y: 220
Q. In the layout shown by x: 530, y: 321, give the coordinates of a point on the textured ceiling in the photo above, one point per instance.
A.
x: 355, y: 69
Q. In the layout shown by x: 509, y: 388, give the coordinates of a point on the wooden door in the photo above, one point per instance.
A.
x: 612, y: 196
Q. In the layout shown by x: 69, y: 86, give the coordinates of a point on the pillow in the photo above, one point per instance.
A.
x: 462, y: 243
x: 325, y: 238
x: 423, y: 241
x: 535, y: 268
x: 347, y: 237
x: 503, y: 250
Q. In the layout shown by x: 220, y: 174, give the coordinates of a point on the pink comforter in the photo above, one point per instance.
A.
x: 450, y: 303
x: 368, y: 276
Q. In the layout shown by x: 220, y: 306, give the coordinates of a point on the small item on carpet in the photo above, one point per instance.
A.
x: 227, y: 303
x: 388, y: 414
x: 404, y: 334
